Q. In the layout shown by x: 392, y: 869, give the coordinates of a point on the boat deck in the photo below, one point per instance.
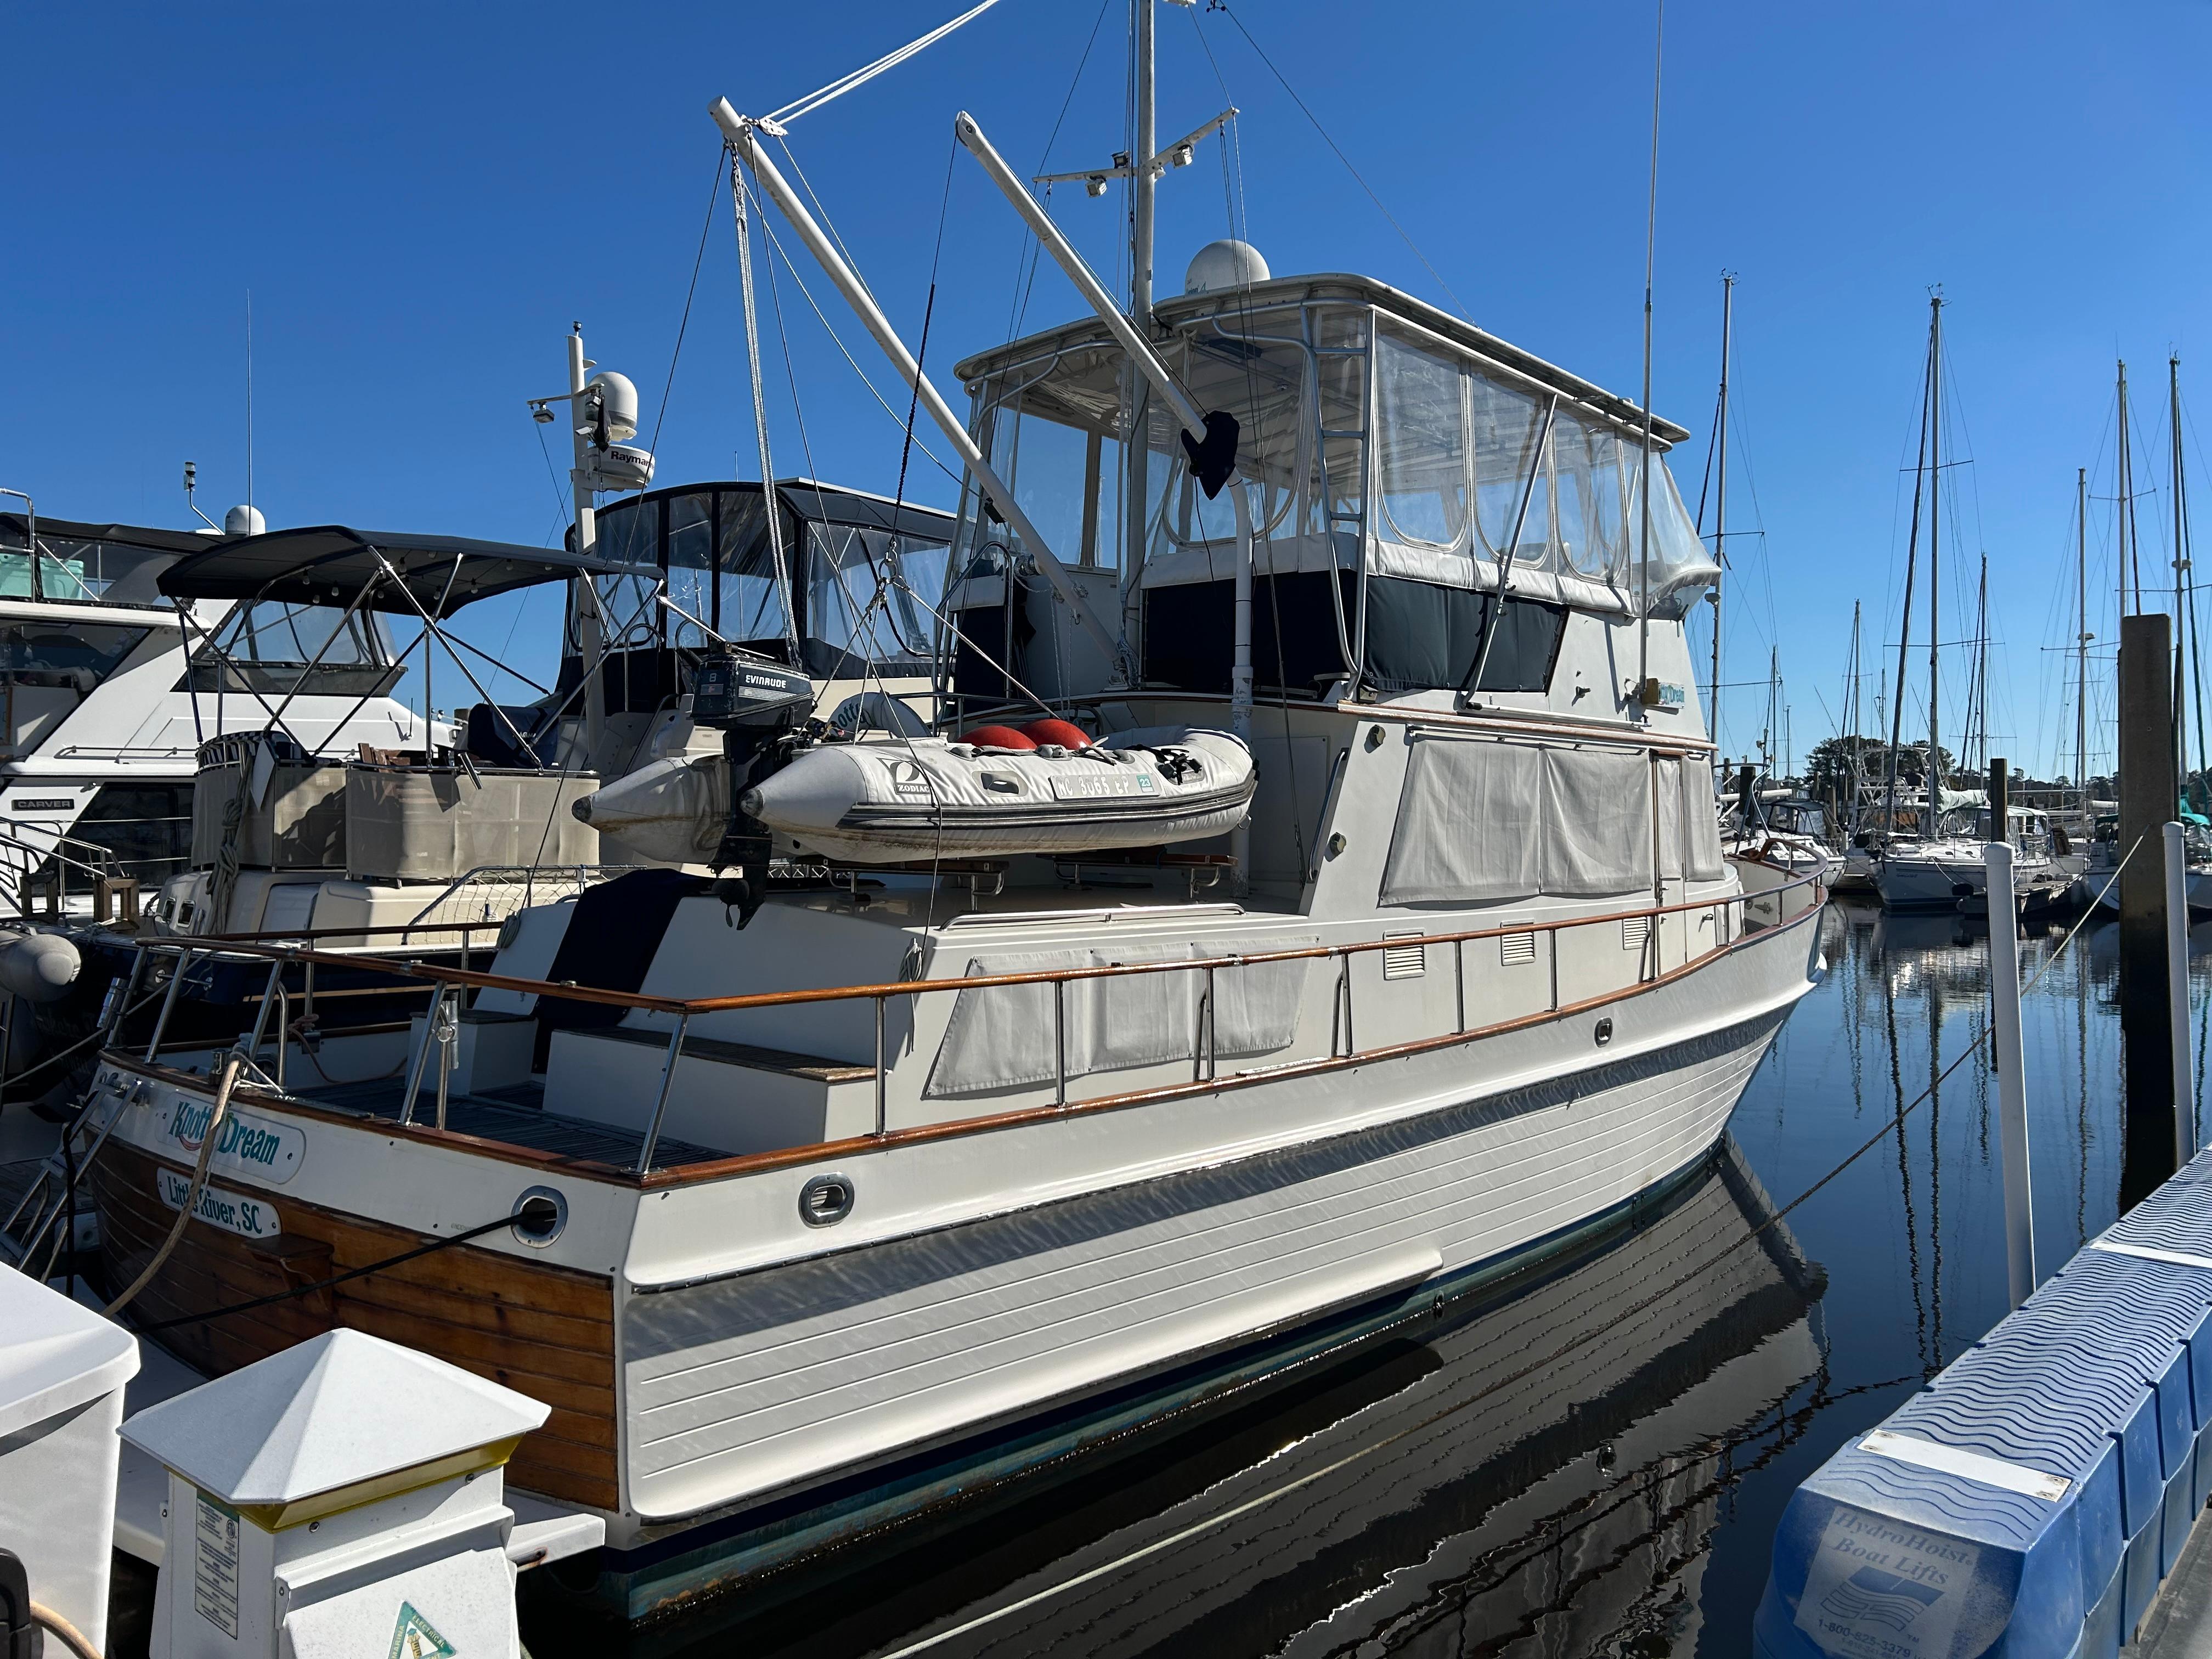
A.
x: 514, y: 1116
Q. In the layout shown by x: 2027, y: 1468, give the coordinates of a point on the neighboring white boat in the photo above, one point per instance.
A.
x: 102, y: 720
x: 843, y: 1188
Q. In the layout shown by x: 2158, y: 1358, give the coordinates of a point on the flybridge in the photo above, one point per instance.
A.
x: 1188, y: 309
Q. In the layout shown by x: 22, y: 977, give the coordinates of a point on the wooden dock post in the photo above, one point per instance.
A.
x: 2149, y: 791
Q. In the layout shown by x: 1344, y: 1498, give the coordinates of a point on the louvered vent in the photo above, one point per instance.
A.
x: 1408, y: 961
x: 1516, y: 949
x: 1634, y: 930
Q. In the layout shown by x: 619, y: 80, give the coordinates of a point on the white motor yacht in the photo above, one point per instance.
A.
x: 827, y: 1188
x: 100, y: 723
x: 867, y: 1166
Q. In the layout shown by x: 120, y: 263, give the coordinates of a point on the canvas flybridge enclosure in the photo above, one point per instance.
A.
x: 710, y: 544
x: 1406, y: 465
x: 80, y: 564
x: 66, y: 617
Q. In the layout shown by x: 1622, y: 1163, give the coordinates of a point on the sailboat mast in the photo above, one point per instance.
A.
x: 1854, y: 747
x: 1720, y: 481
x: 2082, y: 640
x: 2123, y: 507
x: 1894, y: 721
x: 1934, y: 548
x: 1982, y: 670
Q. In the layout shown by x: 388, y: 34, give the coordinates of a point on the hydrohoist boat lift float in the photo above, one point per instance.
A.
x: 863, y: 1188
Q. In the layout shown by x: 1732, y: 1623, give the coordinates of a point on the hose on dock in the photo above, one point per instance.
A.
x: 72, y: 1638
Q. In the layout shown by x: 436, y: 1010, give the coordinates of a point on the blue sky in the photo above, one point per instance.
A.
x: 421, y: 198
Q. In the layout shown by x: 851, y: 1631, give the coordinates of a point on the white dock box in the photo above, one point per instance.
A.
x: 62, y: 1371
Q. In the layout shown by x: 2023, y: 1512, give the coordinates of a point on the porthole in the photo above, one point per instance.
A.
x: 540, y: 1214
x: 1604, y: 1032
x: 825, y: 1200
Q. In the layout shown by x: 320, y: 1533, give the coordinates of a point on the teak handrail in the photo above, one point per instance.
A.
x: 1207, y: 1076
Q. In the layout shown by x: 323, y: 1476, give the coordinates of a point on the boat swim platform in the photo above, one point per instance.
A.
x: 2030, y: 1502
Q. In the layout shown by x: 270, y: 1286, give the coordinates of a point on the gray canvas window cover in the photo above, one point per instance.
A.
x: 330, y: 564
x: 1002, y: 1036
x: 1481, y: 821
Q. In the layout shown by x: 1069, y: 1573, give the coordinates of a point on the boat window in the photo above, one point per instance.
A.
x: 1504, y: 423
x: 273, y: 647
x: 73, y: 568
x: 146, y: 828
x: 856, y: 606
x: 748, y: 606
x: 1068, y: 478
x: 45, y: 672
x: 1421, y: 451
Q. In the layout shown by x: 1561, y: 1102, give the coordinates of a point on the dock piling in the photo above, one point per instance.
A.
x: 2177, y: 991
x: 2012, y: 1080
x: 2148, y: 790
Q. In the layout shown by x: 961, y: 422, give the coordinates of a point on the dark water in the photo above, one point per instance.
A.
x: 1590, y: 1460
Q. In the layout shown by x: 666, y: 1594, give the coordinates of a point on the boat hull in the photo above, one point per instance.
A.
x: 776, y: 1387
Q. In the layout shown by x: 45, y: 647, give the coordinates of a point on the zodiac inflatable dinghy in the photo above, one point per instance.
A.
x: 911, y: 800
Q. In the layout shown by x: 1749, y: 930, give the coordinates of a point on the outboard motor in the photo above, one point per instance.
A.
x: 758, y: 705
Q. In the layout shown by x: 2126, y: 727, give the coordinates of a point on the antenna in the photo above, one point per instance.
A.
x: 1646, y: 692
x: 192, y: 483
x: 249, y: 397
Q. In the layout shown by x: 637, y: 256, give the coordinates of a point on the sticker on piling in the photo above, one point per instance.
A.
x: 1879, y: 1589
x: 215, y: 1565
x: 416, y: 1637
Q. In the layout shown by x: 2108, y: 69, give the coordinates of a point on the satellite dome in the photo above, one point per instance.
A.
x: 243, y: 521
x: 1227, y: 263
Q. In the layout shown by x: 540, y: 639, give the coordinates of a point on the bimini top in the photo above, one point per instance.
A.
x: 329, y: 564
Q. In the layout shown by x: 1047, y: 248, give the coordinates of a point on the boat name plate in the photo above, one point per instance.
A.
x: 246, y: 1144
x: 235, y: 1213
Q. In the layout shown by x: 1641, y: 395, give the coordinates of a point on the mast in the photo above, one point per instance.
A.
x: 2124, y: 506
x: 1719, y: 499
x: 1935, y: 551
x: 2081, y: 637
x: 1853, y: 748
x: 1982, y: 670
x: 1895, y: 721
x: 1136, y: 448
x: 590, y: 630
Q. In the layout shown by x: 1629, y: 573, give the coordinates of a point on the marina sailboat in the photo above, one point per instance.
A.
x: 884, y: 1160
x: 1940, y: 867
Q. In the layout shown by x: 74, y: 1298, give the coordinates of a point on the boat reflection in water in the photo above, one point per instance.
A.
x: 1538, y: 1467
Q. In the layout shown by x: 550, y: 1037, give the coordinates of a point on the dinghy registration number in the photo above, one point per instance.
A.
x: 1100, y: 785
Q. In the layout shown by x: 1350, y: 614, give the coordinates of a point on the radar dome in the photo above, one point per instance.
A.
x: 243, y: 521
x: 1227, y: 263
